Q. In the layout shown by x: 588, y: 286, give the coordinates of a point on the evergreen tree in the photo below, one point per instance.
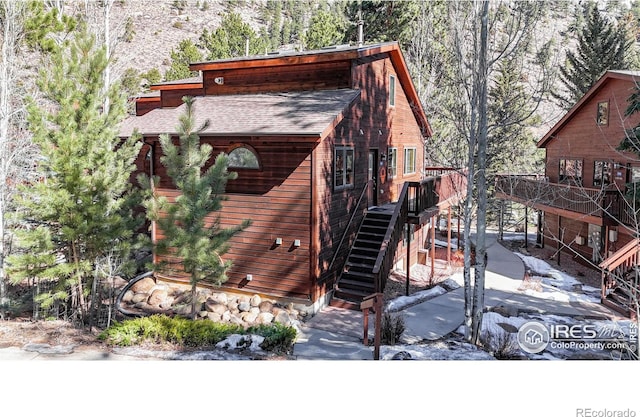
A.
x: 82, y: 206
x: 180, y: 59
x: 511, y: 146
x: 384, y: 20
x: 191, y: 232
x: 230, y: 39
x: 602, y: 45
x: 324, y: 30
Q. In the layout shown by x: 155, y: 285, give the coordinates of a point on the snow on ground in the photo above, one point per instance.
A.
x: 557, y: 285
x: 406, y: 301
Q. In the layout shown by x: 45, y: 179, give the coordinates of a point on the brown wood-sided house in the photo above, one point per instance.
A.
x: 323, y: 142
x: 585, y: 213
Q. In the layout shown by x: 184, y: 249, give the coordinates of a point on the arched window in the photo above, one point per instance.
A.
x: 243, y: 157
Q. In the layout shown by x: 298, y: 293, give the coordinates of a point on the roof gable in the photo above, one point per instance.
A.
x: 630, y: 76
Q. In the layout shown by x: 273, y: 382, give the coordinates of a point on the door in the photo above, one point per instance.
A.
x: 372, y: 176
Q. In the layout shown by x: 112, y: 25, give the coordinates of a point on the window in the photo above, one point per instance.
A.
x: 243, y: 157
x: 392, y: 90
x: 571, y: 171
x: 635, y: 174
x: 602, y: 173
x: 602, y: 118
x: 410, y: 161
x: 392, y: 162
x: 343, y: 167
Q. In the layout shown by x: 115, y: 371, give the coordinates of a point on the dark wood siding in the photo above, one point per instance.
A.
x: 318, y: 76
x: 581, y: 138
x: 173, y: 98
x: 382, y: 126
x: 145, y: 105
x: 277, y: 200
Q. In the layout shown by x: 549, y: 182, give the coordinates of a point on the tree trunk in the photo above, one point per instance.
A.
x: 478, y: 298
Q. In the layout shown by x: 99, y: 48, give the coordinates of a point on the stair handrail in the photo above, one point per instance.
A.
x: 629, y: 250
x: 389, y: 245
x: 346, y: 229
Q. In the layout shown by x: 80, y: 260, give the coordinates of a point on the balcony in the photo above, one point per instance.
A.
x: 594, y: 205
x: 445, y: 187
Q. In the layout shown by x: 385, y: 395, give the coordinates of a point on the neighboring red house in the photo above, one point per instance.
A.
x: 316, y: 138
x: 582, y: 196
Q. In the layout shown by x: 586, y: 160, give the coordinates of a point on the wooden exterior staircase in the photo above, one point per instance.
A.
x: 621, y: 279
x: 358, y: 278
x: 372, y: 253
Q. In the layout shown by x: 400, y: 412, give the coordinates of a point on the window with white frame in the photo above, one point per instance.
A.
x: 392, y: 162
x: 392, y: 90
x: 602, y: 173
x: 409, y: 161
x: 343, y: 167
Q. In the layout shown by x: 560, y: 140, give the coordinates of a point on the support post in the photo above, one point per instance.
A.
x: 375, y: 302
x: 449, y: 236
x: 560, y: 238
x: 501, y: 221
x: 408, y: 258
x: 433, y: 246
x: 526, y: 227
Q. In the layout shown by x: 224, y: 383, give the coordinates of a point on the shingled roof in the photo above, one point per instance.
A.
x: 308, y: 113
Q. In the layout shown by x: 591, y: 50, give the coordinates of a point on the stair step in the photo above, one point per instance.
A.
x: 352, y: 264
x: 358, y: 274
x: 367, y: 241
x: 364, y: 257
x: 351, y: 294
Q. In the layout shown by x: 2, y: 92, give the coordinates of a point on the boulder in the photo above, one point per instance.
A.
x: 157, y: 297
x: 139, y: 297
x: 254, y: 310
x: 128, y: 296
x: 283, y: 318
x: 244, y: 306
x: 219, y: 297
x: 167, y: 303
x: 144, y: 285
x: 264, y: 318
x: 215, y: 307
x: 226, y: 316
x: 249, y: 317
x: 215, y: 317
x: 266, y: 306
x: 255, y: 300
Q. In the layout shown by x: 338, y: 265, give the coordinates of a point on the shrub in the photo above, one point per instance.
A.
x: 392, y: 328
x: 194, y: 333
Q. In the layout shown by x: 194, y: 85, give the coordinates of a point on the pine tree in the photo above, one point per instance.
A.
x: 82, y: 206
x: 602, y: 45
x: 192, y: 233
x: 230, y: 39
x: 186, y: 53
x: 324, y: 30
x: 384, y: 21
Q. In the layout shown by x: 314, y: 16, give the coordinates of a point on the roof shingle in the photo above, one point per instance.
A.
x: 306, y: 113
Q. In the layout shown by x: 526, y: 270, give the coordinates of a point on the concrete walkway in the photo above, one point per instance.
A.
x: 337, y: 334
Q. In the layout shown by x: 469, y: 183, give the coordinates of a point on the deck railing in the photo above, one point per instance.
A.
x: 590, y: 201
x: 421, y: 195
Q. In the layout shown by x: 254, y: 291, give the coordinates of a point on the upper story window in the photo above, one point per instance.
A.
x: 343, y: 167
x: 392, y: 162
x: 571, y: 171
x: 243, y: 157
x: 602, y: 117
x: 392, y: 90
x: 602, y: 173
x: 409, y: 161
